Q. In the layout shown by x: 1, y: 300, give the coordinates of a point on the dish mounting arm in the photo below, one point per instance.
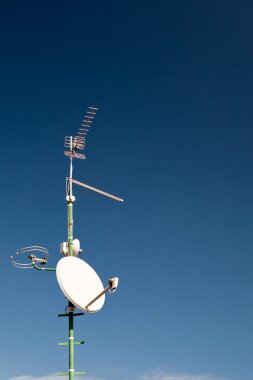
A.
x: 112, y: 286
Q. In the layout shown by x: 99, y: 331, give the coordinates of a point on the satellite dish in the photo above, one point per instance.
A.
x: 80, y: 283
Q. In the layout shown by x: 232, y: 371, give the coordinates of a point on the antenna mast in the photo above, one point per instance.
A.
x: 88, y: 295
x: 74, y: 144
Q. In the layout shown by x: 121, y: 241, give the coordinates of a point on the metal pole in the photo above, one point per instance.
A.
x: 71, y: 175
x: 71, y: 343
x: 70, y: 201
x: 70, y: 306
x: 70, y: 226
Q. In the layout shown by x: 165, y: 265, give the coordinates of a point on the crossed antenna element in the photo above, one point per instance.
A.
x: 78, y: 142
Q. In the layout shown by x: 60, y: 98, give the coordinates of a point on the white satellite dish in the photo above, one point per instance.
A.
x: 80, y: 283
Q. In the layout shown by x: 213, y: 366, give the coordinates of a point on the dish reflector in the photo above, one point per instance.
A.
x: 80, y: 283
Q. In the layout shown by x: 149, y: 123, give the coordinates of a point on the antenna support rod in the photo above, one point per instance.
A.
x: 98, y: 296
x: 71, y: 342
x: 70, y: 200
x: 70, y: 227
x: 113, y: 284
x: 96, y: 190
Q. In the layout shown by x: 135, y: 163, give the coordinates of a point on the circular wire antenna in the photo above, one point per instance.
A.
x: 80, y: 283
x: 28, y: 255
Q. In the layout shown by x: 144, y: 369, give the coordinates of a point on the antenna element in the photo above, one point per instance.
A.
x: 96, y: 190
x: 78, y: 142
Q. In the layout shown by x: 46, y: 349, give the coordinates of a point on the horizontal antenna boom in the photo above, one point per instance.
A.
x: 96, y: 190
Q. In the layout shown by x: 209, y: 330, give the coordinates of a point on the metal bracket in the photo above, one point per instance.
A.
x: 67, y: 373
x: 72, y: 314
x: 67, y: 343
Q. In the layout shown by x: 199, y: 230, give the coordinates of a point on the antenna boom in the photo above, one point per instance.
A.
x: 95, y: 190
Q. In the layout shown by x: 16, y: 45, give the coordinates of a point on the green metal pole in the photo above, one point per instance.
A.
x: 70, y: 305
x: 71, y: 343
x: 70, y: 200
x: 70, y: 228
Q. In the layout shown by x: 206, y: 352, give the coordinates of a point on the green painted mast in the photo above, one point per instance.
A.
x: 71, y: 344
x: 70, y: 202
x: 70, y: 314
x: 74, y: 144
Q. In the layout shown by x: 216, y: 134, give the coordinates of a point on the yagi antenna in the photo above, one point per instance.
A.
x: 78, y: 142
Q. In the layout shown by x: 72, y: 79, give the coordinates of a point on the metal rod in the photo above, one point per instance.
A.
x: 45, y: 269
x: 71, y: 344
x: 70, y: 200
x: 74, y: 315
x: 98, y: 296
x: 70, y: 174
x: 96, y: 190
x: 70, y: 228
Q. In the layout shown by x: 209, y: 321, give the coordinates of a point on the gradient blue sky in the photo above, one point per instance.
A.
x: 173, y: 82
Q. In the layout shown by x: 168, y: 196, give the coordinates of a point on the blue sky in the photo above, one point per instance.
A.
x: 173, y: 137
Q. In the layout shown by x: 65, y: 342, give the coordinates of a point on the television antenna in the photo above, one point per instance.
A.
x: 78, y: 281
